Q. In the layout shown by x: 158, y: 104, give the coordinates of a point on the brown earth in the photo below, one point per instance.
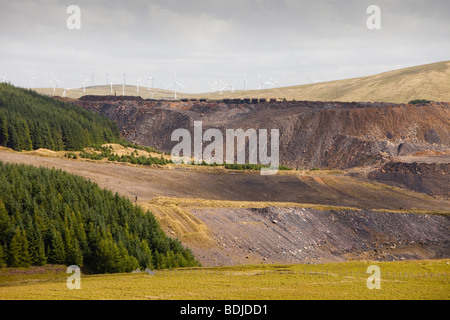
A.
x: 194, y: 182
x: 312, y: 134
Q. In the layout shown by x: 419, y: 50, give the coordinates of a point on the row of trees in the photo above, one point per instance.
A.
x: 50, y: 216
x: 29, y: 121
x: 100, y: 153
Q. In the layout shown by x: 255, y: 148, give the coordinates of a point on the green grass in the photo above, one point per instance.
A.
x: 259, y: 282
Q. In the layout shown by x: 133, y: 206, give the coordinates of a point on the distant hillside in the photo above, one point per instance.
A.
x: 50, y: 216
x: 29, y: 121
x: 104, y: 90
x: 429, y: 81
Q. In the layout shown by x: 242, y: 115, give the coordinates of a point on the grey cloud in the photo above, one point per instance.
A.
x: 201, y: 39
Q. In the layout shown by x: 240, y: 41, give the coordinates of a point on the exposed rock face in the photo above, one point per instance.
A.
x: 303, y: 235
x: 429, y: 178
x: 312, y: 134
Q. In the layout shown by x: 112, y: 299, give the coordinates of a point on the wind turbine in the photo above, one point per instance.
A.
x: 148, y: 81
x: 124, y: 83
x: 138, y: 85
x: 52, y: 81
x: 4, y: 77
x: 211, y: 85
x: 111, y: 84
x: 309, y: 80
x: 64, y: 94
x: 261, y: 82
x: 216, y: 84
x: 245, y: 81
x: 223, y: 88
x: 231, y: 86
x: 83, y: 84
x: 175, y: 84
x: 31, y: 81
x: 271, y: 82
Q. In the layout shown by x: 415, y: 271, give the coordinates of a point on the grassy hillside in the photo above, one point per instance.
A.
x: 29, y: 121
x: 429, y: 81
x: 153, y: 93
x: 50, y: 216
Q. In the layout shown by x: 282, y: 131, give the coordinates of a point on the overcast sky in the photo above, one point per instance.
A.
x: 290, y: 41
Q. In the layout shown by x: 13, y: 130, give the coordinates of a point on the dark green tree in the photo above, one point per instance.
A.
x: 4, y: 135
x: 57, y: 252
x: 3, y: 257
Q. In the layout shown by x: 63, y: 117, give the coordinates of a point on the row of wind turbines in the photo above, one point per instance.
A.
x: 84, y: 81
x: 216, y: 86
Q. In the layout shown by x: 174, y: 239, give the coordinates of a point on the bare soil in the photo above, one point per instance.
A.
x: 196, y: 183
x: 301, y: 235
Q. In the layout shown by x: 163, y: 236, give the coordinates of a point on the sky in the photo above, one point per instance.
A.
x: 292, y: 42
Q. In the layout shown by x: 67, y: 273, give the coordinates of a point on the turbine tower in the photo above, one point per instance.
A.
x: 64, y: 94
x: 111, y: 84
x: 175, y: 84
x: 124, y: 83
x: 53, y: 81
x: 83, y: 84
x: 31, y: 81
x: 148, y: 81
x: 262, y: 83
x: 138, y: 85
x: 271, y: 82
x: 245, y: 81
x: 231, y: 86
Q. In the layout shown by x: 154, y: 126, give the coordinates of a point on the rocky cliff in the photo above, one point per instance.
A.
x: 312, y: 134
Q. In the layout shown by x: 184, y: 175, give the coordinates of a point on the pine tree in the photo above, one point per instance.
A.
x: 36, y: 248
x: 27, y: 142
x: 57, y: 252
x: 73, y: 251
x: 14, y: 252
x: 5, y: 223
x: 4, y: 135
x: 127, y: 263
x: 13, y: 141
x: 25, y: 257
x: 3, y: 257
x: 69, y: 220
x: 147, y: 255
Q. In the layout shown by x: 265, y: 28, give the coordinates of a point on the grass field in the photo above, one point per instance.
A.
x: 399, y: 281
